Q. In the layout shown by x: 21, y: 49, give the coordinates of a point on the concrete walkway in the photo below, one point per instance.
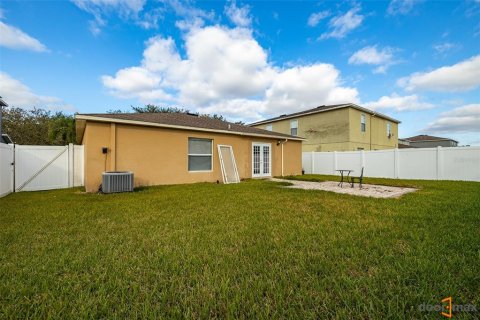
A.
x: 368, y: 190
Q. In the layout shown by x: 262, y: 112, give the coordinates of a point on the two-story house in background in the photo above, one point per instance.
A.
x: 341, y: 127
x: 426, y: 141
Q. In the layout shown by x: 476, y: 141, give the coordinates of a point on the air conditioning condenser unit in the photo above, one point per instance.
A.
x: 117, y: 181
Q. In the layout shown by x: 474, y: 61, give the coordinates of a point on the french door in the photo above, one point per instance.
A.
x: 261, y: 160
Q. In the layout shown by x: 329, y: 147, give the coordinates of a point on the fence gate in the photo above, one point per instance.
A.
x: 6, y: 169
x: 45, y: 167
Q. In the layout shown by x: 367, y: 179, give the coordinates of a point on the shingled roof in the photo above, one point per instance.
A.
x: 184, y: 121
x: 323, y: 109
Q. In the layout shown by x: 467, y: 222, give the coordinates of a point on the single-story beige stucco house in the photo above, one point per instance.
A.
x: 175, y: 148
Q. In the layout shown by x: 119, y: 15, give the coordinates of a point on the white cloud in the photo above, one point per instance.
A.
x: 401, y: 7
x: 460, y: 120
x: 226, y: 71
x: 126, y: 9
x: 445, y: 48
x: 399, y: 103
x: 316, y: 17
x: 472, y: 8
x: 135, y: 82
x: 300, y: 87
x: 371, y: 55
x: 17, y: 94
x: 14, y: 38
x: 240, y: 16
x: 462, y: 76
x: 150, y: 19
x: 341, y: 25
x: 442, y: 48
x: 134, y: 10
x: 184, y: 9
x: 236, y: 109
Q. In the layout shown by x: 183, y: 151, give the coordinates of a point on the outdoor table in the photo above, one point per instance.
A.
x: 340, y: 184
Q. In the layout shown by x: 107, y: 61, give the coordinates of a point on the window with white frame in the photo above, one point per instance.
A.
x: 389, y: 129
x: 363, y: 123
x: 268, y: 127
x: 294, y: 127
x: 200, y: 154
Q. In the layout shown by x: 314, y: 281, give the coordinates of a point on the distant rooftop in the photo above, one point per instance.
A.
x: 3, y: 103
x: 424, y: 137
x: 324, y: 108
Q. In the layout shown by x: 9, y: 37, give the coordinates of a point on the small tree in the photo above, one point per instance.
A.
x: 61, y: 129
x: 38, y: 126
x: 150, y: 108
x: 214, y: 116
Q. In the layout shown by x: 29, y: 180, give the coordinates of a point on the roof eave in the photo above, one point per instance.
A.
x: 161, y: 125
x: 80, y: 125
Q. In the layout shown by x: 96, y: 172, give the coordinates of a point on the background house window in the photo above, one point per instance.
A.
x: 363, y: 126
x: 389, y: 130
x: 294, y: 127
x: 268, y: 127
x: 199, y: 154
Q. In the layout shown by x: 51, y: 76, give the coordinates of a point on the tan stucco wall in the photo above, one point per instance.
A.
x: 160, y: 155
x: 339, y: 130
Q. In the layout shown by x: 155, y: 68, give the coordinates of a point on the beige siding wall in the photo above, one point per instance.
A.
x: 376, y: 130
x: 325, y: 131
x: 160, y: 156
x: 339, y: 130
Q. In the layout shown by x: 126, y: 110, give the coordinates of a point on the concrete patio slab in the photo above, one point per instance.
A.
x: 368, y: 190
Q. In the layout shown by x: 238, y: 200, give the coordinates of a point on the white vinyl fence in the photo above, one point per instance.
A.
x: 460, y: 163
x: 6, y: 169
x: 40, y: 167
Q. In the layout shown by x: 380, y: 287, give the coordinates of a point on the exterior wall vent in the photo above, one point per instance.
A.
x: 117, y: 182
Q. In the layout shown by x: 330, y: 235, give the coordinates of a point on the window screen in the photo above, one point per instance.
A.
x: 268, y: 127
x: 294, y: 127
x: 199, y: 154
x: 363, y: 125
x: 389, y: 129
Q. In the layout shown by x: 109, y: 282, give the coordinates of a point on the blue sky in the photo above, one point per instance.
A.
x: 417, y: 61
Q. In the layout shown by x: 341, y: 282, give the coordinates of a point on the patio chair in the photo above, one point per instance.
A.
x: 360, y: 179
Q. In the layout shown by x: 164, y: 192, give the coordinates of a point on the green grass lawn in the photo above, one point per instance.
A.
x: 251, y: 250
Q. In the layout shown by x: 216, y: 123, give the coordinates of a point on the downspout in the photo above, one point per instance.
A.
x: 371, y: 116
x: 1, y: 111
x: 282, y: 143
x: 113, y: 147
